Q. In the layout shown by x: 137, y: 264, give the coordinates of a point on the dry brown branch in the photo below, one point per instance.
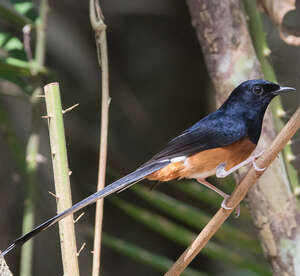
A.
x: 97, y: 22
x: 237, y: 196
x: 230, y: 57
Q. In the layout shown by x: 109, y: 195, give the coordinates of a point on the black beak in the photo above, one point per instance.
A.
x: 283, y: 89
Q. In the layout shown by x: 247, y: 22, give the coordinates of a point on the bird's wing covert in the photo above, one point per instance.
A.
x: 211, y: 132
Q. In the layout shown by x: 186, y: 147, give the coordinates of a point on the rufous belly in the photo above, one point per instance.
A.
x: 204, y: 163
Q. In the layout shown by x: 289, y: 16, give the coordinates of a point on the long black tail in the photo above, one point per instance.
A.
x: 118, y: 185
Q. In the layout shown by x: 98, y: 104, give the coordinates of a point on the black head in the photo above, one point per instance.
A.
x: 249, y: 101
x: 256, y: 93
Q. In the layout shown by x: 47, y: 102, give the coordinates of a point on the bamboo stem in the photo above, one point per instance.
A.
x: 97, y: 22
x: 262, y: 52
x: 237, y: 196
x: 61, y: 178
x: 32, y: 148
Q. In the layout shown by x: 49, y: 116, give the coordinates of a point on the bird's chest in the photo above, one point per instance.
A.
x: 204, y: 163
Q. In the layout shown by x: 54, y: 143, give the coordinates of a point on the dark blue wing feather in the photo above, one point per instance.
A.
x: 214, y: 130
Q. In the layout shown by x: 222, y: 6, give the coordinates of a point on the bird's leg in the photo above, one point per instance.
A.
x: 221, y: 193
x: 221, y: 172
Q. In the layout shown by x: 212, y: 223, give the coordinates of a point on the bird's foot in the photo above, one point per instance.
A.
x: 224, y: 206
x: 254, y: 157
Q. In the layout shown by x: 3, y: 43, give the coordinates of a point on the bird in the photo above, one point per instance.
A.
x: 218, y: 144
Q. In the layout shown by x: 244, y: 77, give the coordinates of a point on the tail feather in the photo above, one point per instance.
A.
x: 118, y: 185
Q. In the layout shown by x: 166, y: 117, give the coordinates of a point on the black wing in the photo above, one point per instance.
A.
x: 215, y: 130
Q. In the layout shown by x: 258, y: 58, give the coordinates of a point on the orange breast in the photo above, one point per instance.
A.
x: 204, y: 163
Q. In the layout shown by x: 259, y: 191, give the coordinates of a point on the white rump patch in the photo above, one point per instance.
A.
x: 178, y: 159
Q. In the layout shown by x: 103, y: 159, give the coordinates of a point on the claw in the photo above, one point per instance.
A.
x: 224, y: 206
x: 258, y: 169
x: 237, y: 211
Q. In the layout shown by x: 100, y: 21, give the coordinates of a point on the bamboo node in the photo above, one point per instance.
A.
x: 297, y: 191
x: 280, y: 113
x: 290, y: 157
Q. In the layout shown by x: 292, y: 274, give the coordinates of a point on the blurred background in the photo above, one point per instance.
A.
x: 159, y: 86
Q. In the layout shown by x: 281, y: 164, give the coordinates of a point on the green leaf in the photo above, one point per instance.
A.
x: 12, y: 47
x: 13, y: 44
x: 8, y: 13
x: 23, y: 7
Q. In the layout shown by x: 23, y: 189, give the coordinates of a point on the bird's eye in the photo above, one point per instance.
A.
x: 257, y: 90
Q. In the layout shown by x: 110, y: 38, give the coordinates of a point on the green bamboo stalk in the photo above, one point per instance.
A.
x: 198, y: 219
x: 61, y: 177
x: 27, y: 169
x: 32, y: 148
x: 31, y: 169
x: 262, y: 52
x: 41, y: 24
x: 184, y: 237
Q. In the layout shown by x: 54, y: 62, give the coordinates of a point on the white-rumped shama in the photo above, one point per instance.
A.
x: 220, y: 143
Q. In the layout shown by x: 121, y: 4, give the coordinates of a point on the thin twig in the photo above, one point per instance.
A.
x: 26, y: 41
x: 61, y: 178
x: 237, y: 196
x: 96, y: 18
x: 81, y: 248
x: 79, y: 217
x: 70, y: 108
x: 54, y: 195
